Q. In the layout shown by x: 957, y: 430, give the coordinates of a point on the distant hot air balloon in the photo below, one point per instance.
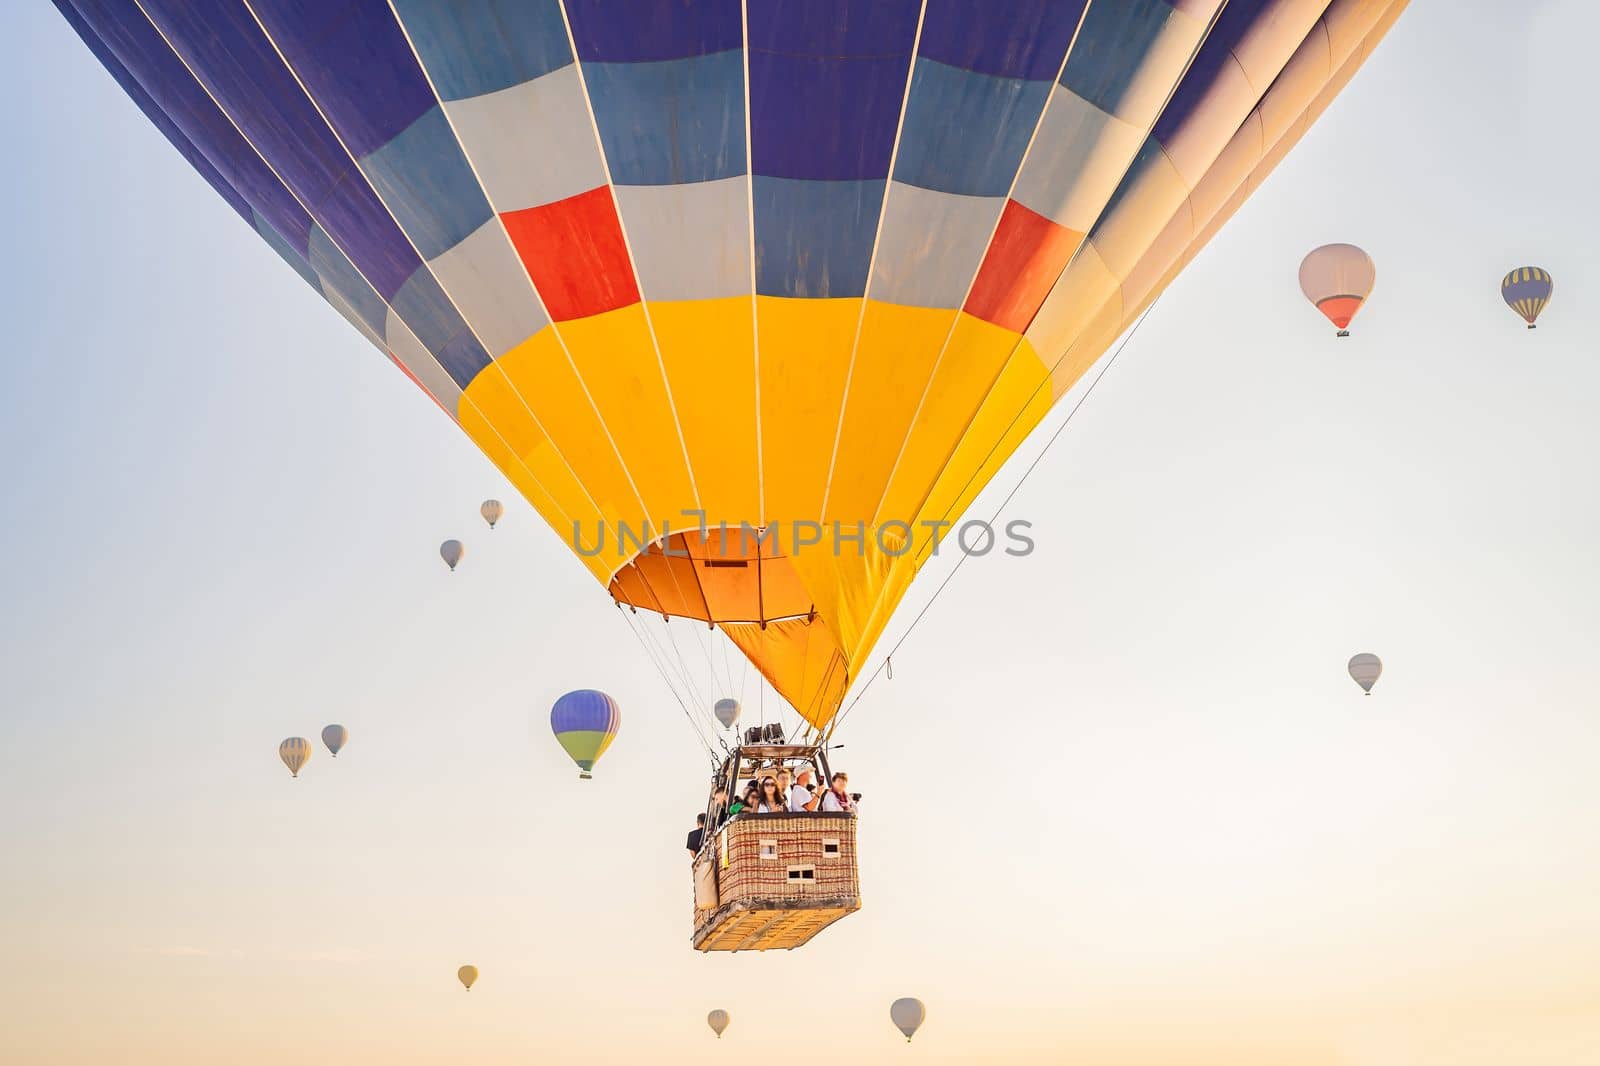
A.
x: 294, y: 752
x: 451, y: 552
x: 1526, y: 290
x: 335, y: 737
x: 727, y: 712
x: 718, y: 1020
x: 1365, y: 669
x: 1337, y: 278
x: 907, y: 1015
x: 491, y: 511
x: 585, y: 722
x: 466, y: 975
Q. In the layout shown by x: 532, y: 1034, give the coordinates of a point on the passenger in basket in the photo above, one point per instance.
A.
x: 801, y: 797
x: 838, y: 797
x: 772, y: 799
x: 719, y: 806
x: 746, y: 802
x: 697, y: 835
x: 785, y: 779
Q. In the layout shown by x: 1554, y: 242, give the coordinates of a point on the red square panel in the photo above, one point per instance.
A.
x: 1025, y: 258
x: 574, y: 252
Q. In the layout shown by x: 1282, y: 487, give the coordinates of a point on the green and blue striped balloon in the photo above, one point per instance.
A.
x: 585, y: 722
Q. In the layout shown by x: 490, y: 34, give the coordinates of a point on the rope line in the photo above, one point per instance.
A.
x: 827, y: 734
x: 676, y: 695
x: 658, y: 658
x: 862, y: 691
x: 673, y: 659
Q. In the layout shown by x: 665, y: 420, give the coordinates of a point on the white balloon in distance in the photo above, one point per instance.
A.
x: 491, y: 511
x: 335, y: 737
x: 1365, y: 669
x: 451, y: 552
x: 718, y: 1020
x: 907, y: 1015
x: 727, y: 712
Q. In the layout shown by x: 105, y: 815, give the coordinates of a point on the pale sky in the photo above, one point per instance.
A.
x: 1124, y: 807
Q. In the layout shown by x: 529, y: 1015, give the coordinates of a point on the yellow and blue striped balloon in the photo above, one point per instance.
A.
x: 1526, y: 290
x: 294, y: 752
x: 585, y: 722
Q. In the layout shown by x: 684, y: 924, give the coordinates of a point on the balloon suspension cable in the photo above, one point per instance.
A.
x: 722, y: 658
x: 706, y: 645
x: 744, y: 676
x: 697, y: 697
x: 651, y: 654
x: 676, y: 654
x: 1076, y: 407
x: 714, y: 650
x: 827, y: 734
x: 672, y: 663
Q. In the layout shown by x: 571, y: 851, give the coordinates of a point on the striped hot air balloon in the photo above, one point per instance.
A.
x: 294, y: 752
x: 774, y: 263
x: 585, y: 722
x: 1526, y: 290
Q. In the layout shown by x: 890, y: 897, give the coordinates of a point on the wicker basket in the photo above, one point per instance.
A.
x: 780, y: 880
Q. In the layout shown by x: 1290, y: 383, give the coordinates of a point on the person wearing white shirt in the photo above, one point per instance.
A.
x: 838, y: 799
x: 801, y: 797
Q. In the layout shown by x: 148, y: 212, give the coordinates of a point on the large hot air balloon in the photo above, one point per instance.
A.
x: 907, y: 1015
x: 335, y: 737
x: 1337, y: 278
x: 1526, y: 290
x: 785, y: 266
x: 1365, y: 669
x: 491, y: 511
x: 294, y: 752
x: 718, y: 1020
x: 585, y: 722
x: 467, y: 975
x: 727, y: 712
x: 451, y: 552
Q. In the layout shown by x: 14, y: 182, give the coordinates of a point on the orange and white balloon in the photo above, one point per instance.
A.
x: 1337, y: 279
